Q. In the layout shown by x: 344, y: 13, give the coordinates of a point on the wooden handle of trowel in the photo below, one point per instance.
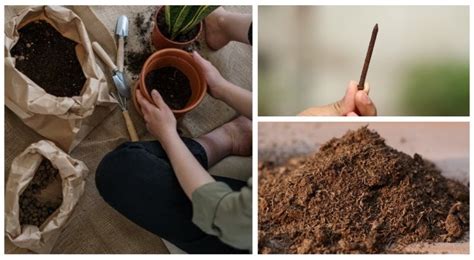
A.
x: 103, y: 56
x: 131, y: 128
x: 121, y: 43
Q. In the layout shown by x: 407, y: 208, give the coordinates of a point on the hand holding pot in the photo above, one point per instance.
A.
x: 236, y: 97
x: 159, y: 119
x: 214, y: 79
x: 354, y: 103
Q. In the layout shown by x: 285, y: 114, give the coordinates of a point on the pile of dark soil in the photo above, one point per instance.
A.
x: 357, y: 195
x: 134, y: 59
x: 42, y: 196
x: 160, y: 21
x: 172, y: 85
x: 49, y: 59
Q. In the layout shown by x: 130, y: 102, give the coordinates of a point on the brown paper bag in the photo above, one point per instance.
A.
x: 60, y: 119
x: 72, y: 172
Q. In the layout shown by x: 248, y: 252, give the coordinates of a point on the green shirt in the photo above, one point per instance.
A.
x: 227, y: 214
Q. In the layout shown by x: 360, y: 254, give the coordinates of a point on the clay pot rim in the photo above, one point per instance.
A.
x: 172, y: 41
x: 175, y: 53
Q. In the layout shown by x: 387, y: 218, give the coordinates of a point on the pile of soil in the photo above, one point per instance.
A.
x: 134, y: 59
x: 357, y: 195
x: 160, y: 21
x: 172, y: 85
x: 49, y: 59
x: 42, y: 197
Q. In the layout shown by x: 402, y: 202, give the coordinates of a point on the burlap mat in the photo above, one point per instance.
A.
x: 95, y: 227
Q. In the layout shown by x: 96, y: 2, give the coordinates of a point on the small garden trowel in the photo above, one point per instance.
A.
x: 122, y: 89
x: 121, y: 30
x: 118, y: 77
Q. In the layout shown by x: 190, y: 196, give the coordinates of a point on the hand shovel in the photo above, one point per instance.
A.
x: 121, y: 30
x: 122, y: 88
x: 118, y: 77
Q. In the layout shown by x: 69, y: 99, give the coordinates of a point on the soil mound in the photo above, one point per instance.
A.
x: 42, y: 196
x: 172, y: 85
x: 357, y: 195
x: 49, y: 59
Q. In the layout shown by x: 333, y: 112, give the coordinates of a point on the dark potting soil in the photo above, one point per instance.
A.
x: 134, y: 59
x: 35, y: 206
x: 160, y: 21
x: 49, y: 59
x: 172, y: 85
x: 357, y: 195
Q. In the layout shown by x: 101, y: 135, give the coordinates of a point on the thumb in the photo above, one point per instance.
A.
x: 352, y: 114
x: 198, y: 58
x: 145, y: 105
x: 364, y: 104
x: 347, y: 103
x: 157, y: 99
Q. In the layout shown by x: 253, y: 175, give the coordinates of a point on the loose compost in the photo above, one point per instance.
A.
x: 357, y: 195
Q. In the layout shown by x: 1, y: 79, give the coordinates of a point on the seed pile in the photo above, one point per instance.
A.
x: 357, y: 195
x: 49, y: 59
x: 34, y: 210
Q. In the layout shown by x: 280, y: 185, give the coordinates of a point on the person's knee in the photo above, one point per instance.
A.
x: 103, y: 173
x: 110, y: 171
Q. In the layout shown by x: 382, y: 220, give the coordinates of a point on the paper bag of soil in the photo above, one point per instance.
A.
x: 60, y: 119
x: 72, y: 173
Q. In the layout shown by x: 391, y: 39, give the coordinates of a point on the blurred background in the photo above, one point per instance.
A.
x: 420, y: 63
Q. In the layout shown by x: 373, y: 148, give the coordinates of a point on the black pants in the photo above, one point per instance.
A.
x: 138, y: 181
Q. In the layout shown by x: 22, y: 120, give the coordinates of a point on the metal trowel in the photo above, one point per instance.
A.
x: 122, y: 88
x: 117, y: 75
x: 121, y: 30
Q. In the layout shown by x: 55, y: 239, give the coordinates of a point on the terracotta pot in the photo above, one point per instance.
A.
x: 160, y: 41
x: 184, y: 62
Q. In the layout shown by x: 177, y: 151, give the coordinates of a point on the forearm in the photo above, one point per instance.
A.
x: 191, y: 175
x: 238, y: 98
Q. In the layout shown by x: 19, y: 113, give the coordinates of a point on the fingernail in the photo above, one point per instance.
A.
x: 365, y: 99
x: 154, y: 92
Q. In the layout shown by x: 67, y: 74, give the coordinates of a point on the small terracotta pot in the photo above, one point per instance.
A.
x: 160, y: 41
x: 182, y: 61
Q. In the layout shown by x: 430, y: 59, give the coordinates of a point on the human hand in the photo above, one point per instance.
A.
x: 214, y: 79
x: 354, y: 103
x: 159, y: 119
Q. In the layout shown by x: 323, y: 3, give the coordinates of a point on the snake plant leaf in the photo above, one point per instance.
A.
x: 184, y: 20
x: 178, y: 16
x: 201, y: 12
x: 167, y: 16
x: 180, y: 19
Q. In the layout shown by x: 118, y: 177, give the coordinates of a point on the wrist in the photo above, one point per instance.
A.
x: 169, y: 137
x: 224, y: 90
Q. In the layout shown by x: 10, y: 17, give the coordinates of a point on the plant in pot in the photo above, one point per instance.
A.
x: 177, y: 26
x: 176, y: 76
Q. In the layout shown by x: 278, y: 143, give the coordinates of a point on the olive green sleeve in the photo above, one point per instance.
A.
x: 224, y: 213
